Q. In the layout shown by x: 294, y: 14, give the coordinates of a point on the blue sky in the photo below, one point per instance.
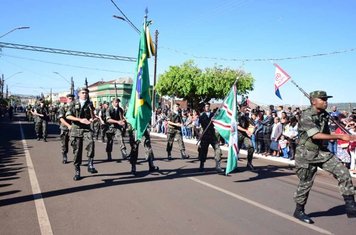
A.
x: 211, y: 32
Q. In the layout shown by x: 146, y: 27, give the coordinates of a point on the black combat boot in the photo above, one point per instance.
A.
x: 77, y: 173
x: 151, y: 166
x: 109, y: 156
x: 64, y: 160
x: 38, y: 138
x: 91, y: 168
x: 133, y: 169
x: 250, y: 166
x: 169, y: 156
x: 183, y: 154
x: 218, y: 167
x: 300, y: 214
x: 350, y: 206
x: 44, y: 139
x: 201, y: 166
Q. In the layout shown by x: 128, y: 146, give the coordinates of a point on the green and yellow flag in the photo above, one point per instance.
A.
x: 140, y: 110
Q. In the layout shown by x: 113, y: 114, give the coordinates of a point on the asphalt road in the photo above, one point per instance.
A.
x: 38, y: 195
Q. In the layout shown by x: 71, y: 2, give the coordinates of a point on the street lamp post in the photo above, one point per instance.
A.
x: 2, y: 83
x: 71, y: 82
x: 12, y: 30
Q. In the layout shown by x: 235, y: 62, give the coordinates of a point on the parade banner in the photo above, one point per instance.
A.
x: 225, y: 122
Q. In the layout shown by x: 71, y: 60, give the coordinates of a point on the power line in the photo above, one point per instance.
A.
x: 66, y: 52
x: 67, y: 65
x: 262, y: 59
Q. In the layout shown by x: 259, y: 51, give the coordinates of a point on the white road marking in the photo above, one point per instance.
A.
x: 263, y: 207
x: 42, y: 215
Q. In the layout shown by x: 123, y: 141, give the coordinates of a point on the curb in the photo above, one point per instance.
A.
x: 224, y: 148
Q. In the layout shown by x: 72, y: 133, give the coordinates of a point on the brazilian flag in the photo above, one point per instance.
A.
x: 140, y: 109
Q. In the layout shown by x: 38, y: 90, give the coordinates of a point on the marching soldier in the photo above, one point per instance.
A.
x: 103, y: 120
x: 312, y: 152
x: 115, y: 118
x: 209, y: 138
x: 175, y: 131
x: 65, y: 126
x: 41, y: 120
x: 81, y: 113
x: 245, y: 131
x: 134, y: 150
x: 97, y: 123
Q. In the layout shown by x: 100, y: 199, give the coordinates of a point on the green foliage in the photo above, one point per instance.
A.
x: 189, y: 82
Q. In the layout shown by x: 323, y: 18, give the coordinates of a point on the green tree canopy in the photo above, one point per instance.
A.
x: 189, y: 82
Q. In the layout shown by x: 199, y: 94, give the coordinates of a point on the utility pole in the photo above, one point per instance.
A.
x: 155, y: 74
x: 71, y: 86
x: 7, y: 92
x: 2, y: 83
x: 50, y: 98
x: 115, y: 90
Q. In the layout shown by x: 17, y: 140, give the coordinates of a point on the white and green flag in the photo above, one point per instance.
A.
x: 225, y: 122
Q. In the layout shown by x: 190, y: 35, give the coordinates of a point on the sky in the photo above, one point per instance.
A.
x: 249, y: 35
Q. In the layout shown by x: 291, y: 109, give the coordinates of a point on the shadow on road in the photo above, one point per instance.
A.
x: 337, y: 210
x: 12, y: 154
x: 265, y: 172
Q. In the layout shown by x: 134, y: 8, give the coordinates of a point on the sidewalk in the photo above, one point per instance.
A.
x: 224, y: 148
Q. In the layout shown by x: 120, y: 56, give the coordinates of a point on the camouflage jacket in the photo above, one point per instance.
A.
x: 176, y: 118
x: 309, y: 150
x: 62, y: 114
x: 76, y: 110
x: 115, y: 115
x: 44, y: 111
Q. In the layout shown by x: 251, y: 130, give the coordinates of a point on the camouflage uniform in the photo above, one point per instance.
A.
x: 41, y: 123
x: 311, y: 154
x: 115, y: 131
x: 104, y: 126
x: 175, y: 132
x: 64, y: 135
x: 243, y: 138
x: 134, y: 150
x: 96, y: 125
x: 81, y: 133
x: 209, y: 138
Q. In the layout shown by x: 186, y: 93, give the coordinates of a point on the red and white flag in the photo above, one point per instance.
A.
x: 281, y: 77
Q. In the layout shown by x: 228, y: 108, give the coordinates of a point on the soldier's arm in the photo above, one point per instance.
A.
x: 315, y: 133
x: 70, y: 116
x: 345, y: 137
x: 62, y: 120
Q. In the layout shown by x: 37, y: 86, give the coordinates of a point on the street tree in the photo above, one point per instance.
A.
x: 189, y: 82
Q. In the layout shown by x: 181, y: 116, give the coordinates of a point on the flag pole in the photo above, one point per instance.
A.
x: 215, y: 113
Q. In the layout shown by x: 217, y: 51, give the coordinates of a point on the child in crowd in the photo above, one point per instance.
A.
x: 283, y: 146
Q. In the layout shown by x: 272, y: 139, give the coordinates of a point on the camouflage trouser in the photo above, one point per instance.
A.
x: 114, y: 133
x: 248, y: 145
x: 41, y: 128
x: 170, y: 136
x: 134, y: 148
x: 103, y: 129
x: 64, y: 140
x: 204, y: 147
x: 307, y: 175
x: 77, y: 141
x: 96, y: 128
